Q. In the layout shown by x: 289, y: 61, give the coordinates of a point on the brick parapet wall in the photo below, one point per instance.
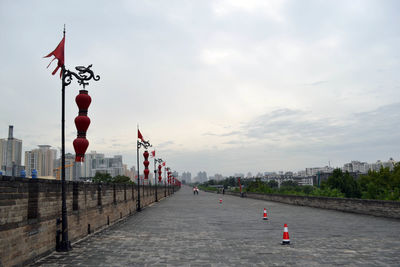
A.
x: 381, y: 208
x: 29, y: 209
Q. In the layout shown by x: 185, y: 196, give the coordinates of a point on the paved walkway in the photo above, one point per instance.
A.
x: 188, y: 230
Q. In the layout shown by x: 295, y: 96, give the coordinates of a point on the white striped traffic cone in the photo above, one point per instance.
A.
x: 220, y: 201
x: 265, y: 214
x: 285, y: 240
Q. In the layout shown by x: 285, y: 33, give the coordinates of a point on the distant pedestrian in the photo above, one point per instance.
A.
x: 223, y: 191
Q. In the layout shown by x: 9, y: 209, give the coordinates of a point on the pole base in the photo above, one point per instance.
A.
x: 64, y: 246
x: 285, y: 242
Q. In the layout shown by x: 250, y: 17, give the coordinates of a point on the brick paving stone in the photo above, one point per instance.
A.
x: 196, y: 230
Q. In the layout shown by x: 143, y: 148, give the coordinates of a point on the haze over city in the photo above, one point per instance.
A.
x: 217, y: 86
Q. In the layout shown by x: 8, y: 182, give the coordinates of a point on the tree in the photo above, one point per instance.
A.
x: 273, y: 184
x: 289, y: 183
x: 345, y: 183
x: 121, y: 179
x: 102, y: 178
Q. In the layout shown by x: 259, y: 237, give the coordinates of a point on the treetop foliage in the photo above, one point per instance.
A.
x: 106, y: 178
x: 383, y: 184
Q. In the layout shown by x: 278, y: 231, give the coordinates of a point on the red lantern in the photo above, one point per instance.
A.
x: 82, y: 122
x: 159, y: 173
x: 80, y: 146
x: 146, y: 165
x: 83, y: 101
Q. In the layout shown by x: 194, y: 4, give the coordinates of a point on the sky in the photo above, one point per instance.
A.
x: 218, y: 86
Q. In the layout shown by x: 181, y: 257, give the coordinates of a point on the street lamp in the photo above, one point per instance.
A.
x: 165, y: 181
x: 83, y: 76
x: 80, y: 143
x: 145, y: 144
x: 155, y: 174
x: 169, y: 180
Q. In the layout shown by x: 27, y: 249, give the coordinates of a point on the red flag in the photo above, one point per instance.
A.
x: 139, y: 135
x: 58, y: 54
x: 153, y: 153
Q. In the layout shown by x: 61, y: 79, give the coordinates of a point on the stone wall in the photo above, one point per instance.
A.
x: 29, y: 209
x: 389, y: 209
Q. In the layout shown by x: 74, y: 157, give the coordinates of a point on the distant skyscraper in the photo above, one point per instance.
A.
x: 218, y: 177
x: 96, y: 162
x: 187, y: 177
x: 201, y: 177
x: 42, y: 159
x: 72, y: 168
x: 10, y: 154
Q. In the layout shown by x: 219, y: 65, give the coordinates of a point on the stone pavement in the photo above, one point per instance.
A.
x: 188, y: 230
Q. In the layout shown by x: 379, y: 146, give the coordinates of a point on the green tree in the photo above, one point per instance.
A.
x: 121, y: 179
x: 384, y: 184
x: 273, y: 184
x: 345, y: 183
x: 289, y: 183
x: 102, y: 178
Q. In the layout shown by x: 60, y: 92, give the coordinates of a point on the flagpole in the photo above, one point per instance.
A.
x: 155, y: 176
x: 85, y: 74
x: 138, y: 174
x: 65, y: 244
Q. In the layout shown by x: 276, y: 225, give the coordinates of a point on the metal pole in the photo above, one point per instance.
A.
x: 165, y: 182
x: 138, y: 178
x: 155, y: 177
x: 65, y: 245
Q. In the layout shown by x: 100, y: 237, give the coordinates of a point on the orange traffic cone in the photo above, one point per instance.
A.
x: 265, y: 214
x: 285, y: 240
x: 220, y: 201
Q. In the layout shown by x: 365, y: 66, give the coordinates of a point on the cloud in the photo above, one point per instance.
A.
x: 315, y: 83
x: 232, y: 133
x: 165, y: 144
x: 271, y: 9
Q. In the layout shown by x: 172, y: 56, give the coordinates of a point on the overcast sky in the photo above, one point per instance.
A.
x: 216, y: 86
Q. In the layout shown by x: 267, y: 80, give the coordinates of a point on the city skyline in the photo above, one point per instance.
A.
x: 217, y: 86
x: 44, y: 159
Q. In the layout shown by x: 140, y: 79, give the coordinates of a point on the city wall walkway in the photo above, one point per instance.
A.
x: 196, y: 230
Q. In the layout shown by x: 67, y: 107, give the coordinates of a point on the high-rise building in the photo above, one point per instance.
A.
x: 72, y: 168
x: 96, y: 162
x: 218, y: 177
x: 201, y: 177
x: 42, y: 159
x: 316, y: 170
x: 187, y: 177
x: 356, y: 166
x: 10, y: 154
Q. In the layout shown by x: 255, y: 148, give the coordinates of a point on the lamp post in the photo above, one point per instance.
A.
x: 159, y: 174
x: 146, y: 170
x: 145, y: 144
x: 169, y: 181
x: 155, y: 174
x: 83, y: 76
x: 165, y: 181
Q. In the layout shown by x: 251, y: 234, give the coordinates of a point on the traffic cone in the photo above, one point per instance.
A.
x: 285, y: 240
x: 265, y: 214
x: 220, y: 201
